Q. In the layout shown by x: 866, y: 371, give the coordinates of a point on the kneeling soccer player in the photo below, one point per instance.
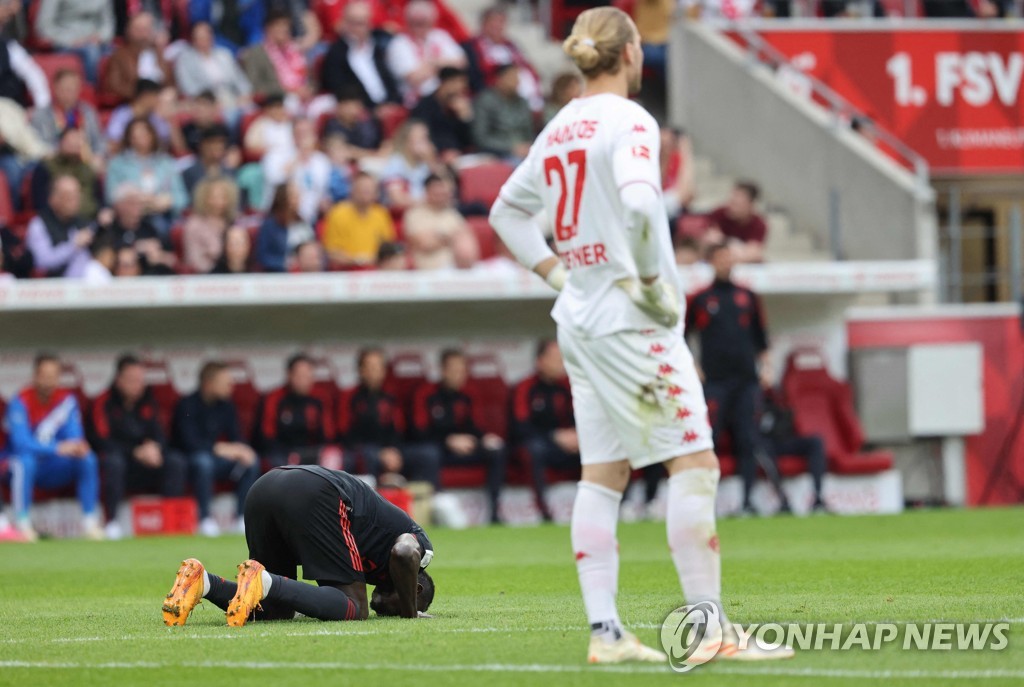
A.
x: 342, y: 533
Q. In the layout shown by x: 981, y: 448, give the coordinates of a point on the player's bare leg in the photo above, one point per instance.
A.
x: 693, y: 541
x: 595, y: 517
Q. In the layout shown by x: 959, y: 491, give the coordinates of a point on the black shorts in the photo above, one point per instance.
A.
x: 293, y: 518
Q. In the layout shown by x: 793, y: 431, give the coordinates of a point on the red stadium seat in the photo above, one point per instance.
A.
x: 485, y: 236
x: 482, y: 183
x: 51, y: 63
x: 326, y: 390
x: 245, y: 396
x: 6, y: 205
x: 823, y: 405
x: 391, y: 117
x: 489, y: 392
x: 161, y: 385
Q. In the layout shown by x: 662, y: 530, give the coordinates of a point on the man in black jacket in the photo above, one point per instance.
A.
x: 206, y: 430
x: 543, y: 422
x: 448, y: 114
x: 734, y: 363
x: 356, y: 59
x: 447, y: 433
x: 294, y: 425
x: 130, y: 442
x: 370, y: 421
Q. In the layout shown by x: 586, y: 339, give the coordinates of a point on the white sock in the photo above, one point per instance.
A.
x: 595, y: 516
x: 692, y: 537
x: 206, y: 583
x: 267, y: 581
x: 90, y: 521
x: 4, y: 522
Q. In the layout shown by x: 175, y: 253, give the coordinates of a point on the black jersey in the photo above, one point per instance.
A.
x: 374, y: 522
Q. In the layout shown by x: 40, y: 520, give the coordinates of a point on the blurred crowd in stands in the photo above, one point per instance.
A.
x: 155, y: 137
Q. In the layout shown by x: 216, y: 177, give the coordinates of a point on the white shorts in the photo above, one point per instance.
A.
x: 636, y: 395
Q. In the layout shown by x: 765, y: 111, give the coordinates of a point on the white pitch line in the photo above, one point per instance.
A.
x: 838, y: 673
x: 172, y: 635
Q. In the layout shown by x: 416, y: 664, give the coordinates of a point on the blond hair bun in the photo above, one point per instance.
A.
x: 583, y: 52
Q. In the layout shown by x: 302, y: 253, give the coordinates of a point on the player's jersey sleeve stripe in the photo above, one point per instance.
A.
x: 350, y: 541
x: 512, y: 205
x: 639, y: 181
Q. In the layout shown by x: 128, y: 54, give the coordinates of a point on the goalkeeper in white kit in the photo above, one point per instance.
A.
x: 638, y: 401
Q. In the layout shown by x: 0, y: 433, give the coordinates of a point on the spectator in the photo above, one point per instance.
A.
x: 138, y: 58
x: 236, y: 255
x: 144, y: 105
x: 564, y: 88
x: 355, y: 230
x: 416, y: 56
x: 734, y: 362
x: 503, y: 124
x: 130, y: 228
x: 493, y: 49
x: 15, y: 254
x: 69, y: 111
x: 48, y: 447
x: 654, y: 20
x: 205, y: 67
x: 738, y: 223
x: 154, y: 172
x: 270, y: 131
x: 237, y: 24
x: 59, y: 237
x: 293, y: 424
x: 71, y: 159
x: 213, y: 212
x: 213, y: 159
x: 282, y: 231
x: 82, y: 27
x: 100, y: 268
x: 20, y: 75
x: 352, y: 120
x: 305, y: 167
x: 130, y: 441
x: 732, y: 10
x: 357, y: 63
x: 128, y: 263
x: 339, y: 182
x: 436, y: 233
x: 5, y: 279
x: 370, y: 421
x: 447, y: 434
x: 676, y: 159
x: 207, y: 432
x: 448, y: 114
x: 203, y: 113
x: 406, y: 171
x: 543, y: 422
x: 277, y: 66
x: 780, y: 438
x: 391, y: 257
x: 310, y: 258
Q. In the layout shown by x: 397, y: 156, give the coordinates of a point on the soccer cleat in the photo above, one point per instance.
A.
x: 249, y: 594
x: 186, y: 593
x: 626, y: 648
x: 731, y: 650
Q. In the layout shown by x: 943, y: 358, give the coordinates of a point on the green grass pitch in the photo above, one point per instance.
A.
x: 508, y: 610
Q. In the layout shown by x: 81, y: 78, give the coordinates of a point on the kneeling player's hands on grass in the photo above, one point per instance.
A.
x: 657, y: 299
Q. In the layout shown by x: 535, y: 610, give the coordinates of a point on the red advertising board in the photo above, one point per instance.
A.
x: 954, y: 96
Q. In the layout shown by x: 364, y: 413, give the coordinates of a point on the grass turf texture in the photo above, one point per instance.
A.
x: 508, y: 610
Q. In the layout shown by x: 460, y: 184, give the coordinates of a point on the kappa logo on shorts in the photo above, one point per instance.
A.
x: 665, y: 370
x: 656, y: 349
x: 683, y: 413
x: 690, y: 437
x: 675, y: 391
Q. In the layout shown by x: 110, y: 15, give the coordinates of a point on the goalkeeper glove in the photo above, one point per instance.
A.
x: 657, y: 300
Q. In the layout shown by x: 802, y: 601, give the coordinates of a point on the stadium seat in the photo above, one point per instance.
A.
x: 161, y: 386
x: 6, y: 206
x: 391, y: 117
x: 326, y: 390
x: 485, y: 236
x: 245, y: 396
x: 406, y: 373
x: 482, y: 183
x: 823, y: 405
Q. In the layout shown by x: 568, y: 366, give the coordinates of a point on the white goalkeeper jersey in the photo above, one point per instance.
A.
x: 575, y: 171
